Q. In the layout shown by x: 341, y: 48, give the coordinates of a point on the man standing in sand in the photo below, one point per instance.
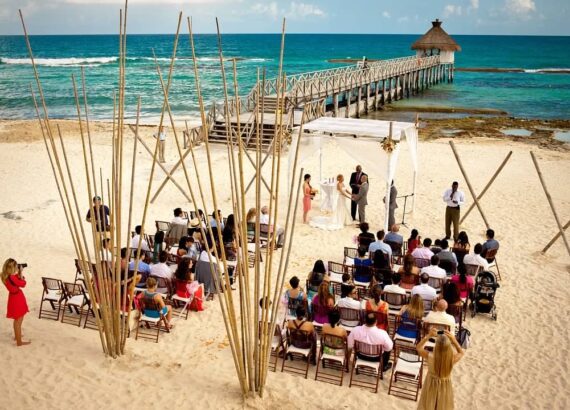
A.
x: 454, y: 198
x: 393, y: 205
x: 161, y: 143
x: 361, y: 198
x: 355, y: 181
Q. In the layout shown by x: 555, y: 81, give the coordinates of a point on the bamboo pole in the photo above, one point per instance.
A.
x: 497, y: 172
x: 547, y: 247
x: 550, y: 202
x: 456, y: 154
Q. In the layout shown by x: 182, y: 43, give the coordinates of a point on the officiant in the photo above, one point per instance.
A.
x: 393, y: 205
x: 355, y: 181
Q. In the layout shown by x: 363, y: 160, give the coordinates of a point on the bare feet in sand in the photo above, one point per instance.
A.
x: 22, y: 343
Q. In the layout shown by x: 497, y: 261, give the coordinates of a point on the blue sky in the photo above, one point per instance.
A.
x: 532, y: 17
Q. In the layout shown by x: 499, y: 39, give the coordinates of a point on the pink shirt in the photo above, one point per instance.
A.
x: 370, y: 335
x: 464, y: 288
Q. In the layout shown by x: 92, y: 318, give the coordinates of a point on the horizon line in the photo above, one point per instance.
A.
x: 278, y: 33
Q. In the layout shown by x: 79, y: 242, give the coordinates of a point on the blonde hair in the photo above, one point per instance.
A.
x: 416, y: 307
x: 250, y: 214
x: 9, y: 268
x: 442, y: 357
x: 151, y: 282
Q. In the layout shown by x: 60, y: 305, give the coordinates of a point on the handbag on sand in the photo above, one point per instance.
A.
x: 464, y: 338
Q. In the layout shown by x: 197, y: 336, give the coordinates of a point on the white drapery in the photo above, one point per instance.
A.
x: 360, y: 139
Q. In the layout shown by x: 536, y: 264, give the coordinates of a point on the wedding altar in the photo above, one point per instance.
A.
x: 372, y: 143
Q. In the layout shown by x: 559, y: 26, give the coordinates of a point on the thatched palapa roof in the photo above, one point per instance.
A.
x: 436, y: 37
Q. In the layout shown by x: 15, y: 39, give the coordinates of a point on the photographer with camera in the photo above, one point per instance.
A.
x: 13, y: 278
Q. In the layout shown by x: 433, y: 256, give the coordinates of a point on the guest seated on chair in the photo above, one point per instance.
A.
x: 183, y: 245
x: 475, y: 258
x: 264, y: 219
x: 414, y: 241
x: 294, y: 294
x: 446, y: 254
x: 365, y: 238
x: 178, y: 219
x: 161, y: 269
x: 451, y: 294
x: 393, y: 235
x: 409, y: 314
x: 462, y: 241
x: 395, y: 286
x: 333, y: 328
x: 408, y: 271
x: 376, y: 304
x: 423, y: 289
x: 349, y: 301
x: 436, y: 248
x: 439, y: 316
x: 464, y: 283
x: 490, y: 243
x: 301, y: 323
x: 362, y: 266
x: 316, y: 277
x: 434, y: 271
x: 322, y: 303
x: 136, y: 239
x: 379, y: 245
x: 423, y: 252
x: 186, y: 286
x: 150, y: 292
x: 214, y: 222
x: 370, y: 334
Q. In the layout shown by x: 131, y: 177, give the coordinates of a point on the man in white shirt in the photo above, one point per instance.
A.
x: 370, y: 334
x: 439, y: 316
x: 264, y: 219
x: 380, y: 245
x: 214, y: 223
x: 423, y: 252
x: 178, y: 219
x: 434, y: 271
x: 137, y: 238
x: 476, y: 258
x: 453, y: 198
x: 349, y: 302
x: 423, y: 289
x: 395, y: 286
x: 161, y: 269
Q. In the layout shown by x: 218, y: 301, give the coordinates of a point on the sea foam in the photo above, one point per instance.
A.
x: 58, y: 62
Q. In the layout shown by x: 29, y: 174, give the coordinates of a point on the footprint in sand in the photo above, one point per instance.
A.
x: 12, y: 215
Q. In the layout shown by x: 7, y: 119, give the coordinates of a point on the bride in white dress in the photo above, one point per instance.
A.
x: 340, y: 216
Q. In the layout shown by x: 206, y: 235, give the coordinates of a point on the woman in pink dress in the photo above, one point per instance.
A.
x: 307, y: 193
x: 13, y: 279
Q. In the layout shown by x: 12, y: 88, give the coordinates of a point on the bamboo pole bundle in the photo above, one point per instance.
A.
x: 106, y: 280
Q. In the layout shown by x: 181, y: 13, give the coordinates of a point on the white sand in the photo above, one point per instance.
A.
x: 520, y: 361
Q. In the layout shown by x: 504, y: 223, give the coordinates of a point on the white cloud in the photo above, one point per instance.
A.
x: 521, y: 8
x: 295, y: 10
x: 474, y: 4
x: 122, y: 2
x: 386, y: 14
x: 268, y: 9
x: 304, y: 10
x: 452, y: 9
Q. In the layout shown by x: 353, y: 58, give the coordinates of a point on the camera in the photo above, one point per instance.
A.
x: 440, y: 332
x: 22, y: 265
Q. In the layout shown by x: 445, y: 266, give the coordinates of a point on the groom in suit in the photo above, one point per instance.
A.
x: 355, y: 181
x: 361, y: 198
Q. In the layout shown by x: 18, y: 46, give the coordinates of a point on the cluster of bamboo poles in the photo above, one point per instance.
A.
x: 249, y: 329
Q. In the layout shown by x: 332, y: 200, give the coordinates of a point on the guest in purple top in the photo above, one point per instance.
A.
x: 322, y: 303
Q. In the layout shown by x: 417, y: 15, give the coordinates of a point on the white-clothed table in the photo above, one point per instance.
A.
x: 328, y: 196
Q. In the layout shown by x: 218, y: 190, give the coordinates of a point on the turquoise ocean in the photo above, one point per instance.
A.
x: 533, y: 93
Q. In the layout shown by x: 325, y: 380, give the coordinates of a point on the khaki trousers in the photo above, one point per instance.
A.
x: 161, y: 145
x: 452, y: 216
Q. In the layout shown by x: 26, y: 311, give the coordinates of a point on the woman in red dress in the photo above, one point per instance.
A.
x: 17, y: 306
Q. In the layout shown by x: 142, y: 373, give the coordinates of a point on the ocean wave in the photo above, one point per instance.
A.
x: 515, y: 70
x: 58, y: 62
x: 548, y: 70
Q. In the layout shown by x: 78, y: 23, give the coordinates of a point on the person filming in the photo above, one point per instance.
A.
x: 13, y: 278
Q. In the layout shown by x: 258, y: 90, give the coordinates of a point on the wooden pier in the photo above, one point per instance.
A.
x: 347, y: 91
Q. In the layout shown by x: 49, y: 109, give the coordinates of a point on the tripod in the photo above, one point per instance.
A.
x: 404, y: 211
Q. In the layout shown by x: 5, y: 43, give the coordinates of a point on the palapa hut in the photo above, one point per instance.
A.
x: 437, y: 41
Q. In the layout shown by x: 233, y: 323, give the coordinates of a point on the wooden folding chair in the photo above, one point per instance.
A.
x: 472, y: 270
x: 409, y: 280
x: 54, y: 294
x: 265, y: 235
x: 162, y: 226
x: 164, y: 287
x: 397, y: 254
x: 459, y: 254
x: 149, y: 322
x: 335, y: 271
x: 422, y: 263
x: 75, y: 300
x: 457, y: 311
x: 410, y: 326
x: 292, y: 305
x: 371, y: 366
x: 395, y: 302
x: 436, y: 283
x: 362, y: 292
x: 349, y: 255
x: 337, y: 363
x: 337, y: 289
x: 450, y: 267
x: 277, y: 348
x: 491, y: 257
x: 363, y: 272
x: 406, y: 378
x: 181, y: 305
x: 350, y: 318
x: 306, y: 341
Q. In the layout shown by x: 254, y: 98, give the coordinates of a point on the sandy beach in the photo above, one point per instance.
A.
x: 518, y: 362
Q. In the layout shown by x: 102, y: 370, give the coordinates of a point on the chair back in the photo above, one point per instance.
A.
x: 428, y: 306
x: 364, y: 273
x: 163, y: 283
x: 293, y: 304
x: 449, y: 266
x: 362, y: 292
x: 251, y: 231
x: 472, y: 270
x: 383, y: 275
x: 396, y: 247
x: 409, y: 325
x: 336, y: 270
x: 300, y: 338
x: 422, y: 263
x: 410, y: 279
x: 192, y: 214
x: 436, y: 283
x: 457, y: 312
x: 350, y: 253
x: 491, y: 254
x: 264, y: 230
x: 162, y: 226
x: 364, y: 241
x: 148, y: 303
x: 368, y: 350
x: 51, y: 285
x: 350, y: 316
x: 334, y: 342
x: 72, y: 289
x: 320, y: 310
x: 460, y: 254
x: 395, y: 300
x: 337, y: 288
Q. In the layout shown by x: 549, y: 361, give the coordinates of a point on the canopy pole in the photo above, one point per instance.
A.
x: 414, y: 191
x: 415, y: 180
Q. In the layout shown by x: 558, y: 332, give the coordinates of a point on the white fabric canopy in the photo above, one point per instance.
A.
x: 360, y: 139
